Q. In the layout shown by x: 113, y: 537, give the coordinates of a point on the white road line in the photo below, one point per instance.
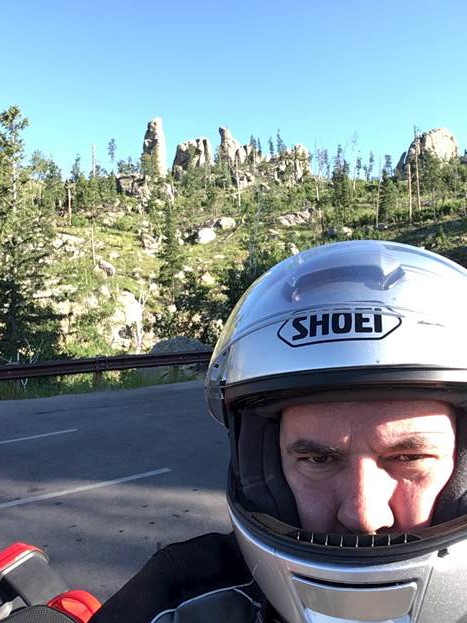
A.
x: 57, y: 432
x: 96, y: 485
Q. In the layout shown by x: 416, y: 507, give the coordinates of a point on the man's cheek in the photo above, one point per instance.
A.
x: 413, y: 505
x: 316, y: 508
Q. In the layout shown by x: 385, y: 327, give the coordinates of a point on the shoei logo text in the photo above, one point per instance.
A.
x: 336, y: 326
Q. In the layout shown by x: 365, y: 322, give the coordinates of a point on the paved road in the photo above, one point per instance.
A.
x: 100, y: 481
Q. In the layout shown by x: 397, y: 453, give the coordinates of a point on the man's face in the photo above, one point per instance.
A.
x: 367, y: 467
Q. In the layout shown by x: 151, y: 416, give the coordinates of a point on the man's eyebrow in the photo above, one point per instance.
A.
x: 417, y: 441
x: 308, y: 446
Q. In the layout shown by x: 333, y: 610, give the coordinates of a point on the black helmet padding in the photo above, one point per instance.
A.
x: 260, y: 480
x: 452, y: 501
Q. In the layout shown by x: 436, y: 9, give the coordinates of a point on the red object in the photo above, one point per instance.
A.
x: 15, y: 552
x: 80, y: 605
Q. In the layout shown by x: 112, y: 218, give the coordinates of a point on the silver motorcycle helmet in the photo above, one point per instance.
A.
x: 359, y: 320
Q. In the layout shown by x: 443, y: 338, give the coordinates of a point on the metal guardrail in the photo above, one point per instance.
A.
x: 12, y: 372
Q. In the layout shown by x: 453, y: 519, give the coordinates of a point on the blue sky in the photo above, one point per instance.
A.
x: 85, y: 71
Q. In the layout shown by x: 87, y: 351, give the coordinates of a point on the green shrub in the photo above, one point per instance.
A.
x: 79, y: 220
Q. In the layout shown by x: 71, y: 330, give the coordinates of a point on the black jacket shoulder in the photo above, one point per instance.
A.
x: 178, y: 574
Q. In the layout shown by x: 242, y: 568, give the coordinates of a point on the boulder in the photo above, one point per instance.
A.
x: 175, y: 345
x: 205, y: 235
x: 440, y: 142
x: 70, y: 245
x: 54, y: 292
x: 154, y: 145
x: 301, y: 162
x: 108, y: 268
x: 126, y: 323
x: 334, y: 232
x: 150, y: 244
x: 295, y: 218
x: 67, y: 241
x: 104, y: 292
x: 132, y: 185
x: 179, y: 344
x: 225, y: 223
x: 207, y: 279
x: 91, y: 301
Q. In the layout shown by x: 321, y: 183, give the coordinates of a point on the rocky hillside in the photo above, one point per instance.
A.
x: 105, y: 278
x: 106, y: 263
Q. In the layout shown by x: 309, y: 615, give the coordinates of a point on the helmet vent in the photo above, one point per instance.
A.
x: 338, y: 541
x: 355, y: 540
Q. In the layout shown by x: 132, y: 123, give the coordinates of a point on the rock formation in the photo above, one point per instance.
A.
x: 301, y: 158
x: 133, y: 185
x: 191, y: 154
x: 295, y: 219
x: 126, y: 323
x: 291, y: 166
x: 246, y: 163
x: 154, y: 144
x: 233, y: 152
x: 440, y: 142
x: 229, y: 145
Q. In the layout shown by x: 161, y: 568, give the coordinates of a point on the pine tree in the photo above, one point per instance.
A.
x: 368, y: 168
x: 387, y: 198
x: 431, y: 176
x: 26, y: 234
x: 326, y: 164
x: 127, y: 166
x: 358, y: 166
x: 341, y: 191
x: 271, y: 147
x: 280, y: 145
x: 11, y: 152
x: 81, y: 193
x: 388, y: 164
x: 111, y: 150
x: 51, y: 188
x: 150, y: 167
x: 371, y: 162
x: 170, y: 254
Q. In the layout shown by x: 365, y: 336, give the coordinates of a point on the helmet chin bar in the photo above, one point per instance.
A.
x: 360, y: 583
x: 323, y: 604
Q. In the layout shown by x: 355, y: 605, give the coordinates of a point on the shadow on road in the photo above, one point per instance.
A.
x: 100, y: 537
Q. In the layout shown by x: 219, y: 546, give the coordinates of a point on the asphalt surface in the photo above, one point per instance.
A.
x: 101, y: 481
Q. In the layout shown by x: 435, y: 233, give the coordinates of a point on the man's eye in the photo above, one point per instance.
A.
x: 410, y: 458
x: 320, y: 459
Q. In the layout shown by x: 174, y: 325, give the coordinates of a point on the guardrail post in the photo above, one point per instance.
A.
x: 174, y: 374
x: 98, y: 379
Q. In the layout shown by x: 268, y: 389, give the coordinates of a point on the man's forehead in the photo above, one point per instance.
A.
x: 385, y: 418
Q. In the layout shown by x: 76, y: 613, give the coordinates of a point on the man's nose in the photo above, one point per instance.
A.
x: 365, y: 497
